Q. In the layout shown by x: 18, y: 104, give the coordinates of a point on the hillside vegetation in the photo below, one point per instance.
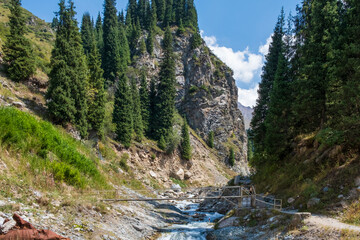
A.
x: 305, y: 130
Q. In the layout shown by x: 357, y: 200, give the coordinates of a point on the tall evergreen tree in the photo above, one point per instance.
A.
x: 66, y: 95
x: 96, y: 100
x: 179, y: 8
x: 124, y: 50
x: 86, y: 33
x: 191, y: 15
x: 161, y: 7
x: 185, y: 143
x: 99, y: 34
x: 169, y: 13
x: 18, y: 50
x: 111, y: 52
x: 141, y: 13
x: 152, y: 109
x: 267, y: 81
x: 319, y: 31
x: 150, y: 42
x: 145, y: 102
x: 131, y: 14
x: 136, y: 107
x: 165, y: 99
x: 122, y: 115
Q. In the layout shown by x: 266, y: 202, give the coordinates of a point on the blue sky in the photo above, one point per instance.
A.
x: 236, y: 30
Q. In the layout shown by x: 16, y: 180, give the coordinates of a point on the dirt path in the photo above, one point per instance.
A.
x: 327, y: 222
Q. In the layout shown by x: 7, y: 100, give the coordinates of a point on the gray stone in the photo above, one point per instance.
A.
x: 18, y: 104
x: 291, y: 200
x: 228, y: 222
x: 179, y: 174
x: 325, y: 189
x: 341, y: 196
x: 187, y: 175
x: 313, y: 202
x: 229, y: 233
x: 152, y: 174
x: 176, y: 187
x: 5, y: 228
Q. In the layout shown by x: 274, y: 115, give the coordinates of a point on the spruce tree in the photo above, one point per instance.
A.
x: 145, y: 102
x: 165, y: 98
x: 124, y: 50
x: 99, y: 34
x: 211, y: 139
x: 232, y: 157
x: 179, y: 7
x: 150, y: 42
x: 152, y: 110
x: 319, y: 32
x: 86, y: 33
x: 169, y: 14
x: 66, y: 95
x: 267, y: 81
x: 142, y: 48
x: 161, y: 7
x: 141, y: 13
x: 185, y: 143
x: 111, y: 52
x: 122, y: 115
x: 136, y: 107
x: 18, y: 50
x: 96, y: 101
x: 191, y: 15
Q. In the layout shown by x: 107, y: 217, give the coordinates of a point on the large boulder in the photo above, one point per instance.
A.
x: 228, y: 222
x: 178, y: 174
x: 229, y: 233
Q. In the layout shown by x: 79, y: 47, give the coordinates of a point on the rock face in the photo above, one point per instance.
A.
x: 206, y: 94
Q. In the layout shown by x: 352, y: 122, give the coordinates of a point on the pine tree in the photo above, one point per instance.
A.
x: 136, y: 107
x: 122, y: 115
x: 131, y: 15
x: 195, y: 40
x: 232, y: 157
x: 152, y: 110
x: 141, y: 13
x: 162, y: 143
x: 169, y: 14
x: 267, y: 81
x: 179, y: 7
x: 124, y: 50
x: 319, y: 31
x: 18, y: 50
x: 211, y: 139
x: 161, y: 7
x: 150, y: 42
x: 185, y: 143
x: 111, y: 52
x: 153, y: 18
x: 165, y: 99
x: 191, y: 15
x: 54, y: 23
x: 66, y: 95
x: 142, y: 49
x: 181, y: 29
x: 96, y: 101
x: 99, y: 35
x: 145, y: 102
x: 86, y: 33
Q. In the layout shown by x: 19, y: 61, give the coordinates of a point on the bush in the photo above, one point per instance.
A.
x: 232, y: 157
x: 172, y: 142
x: 211, y: 139
x: 123, y: 162
x: 47, y: 148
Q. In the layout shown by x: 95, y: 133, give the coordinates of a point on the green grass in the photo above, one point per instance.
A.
x: 47, y: 148
x: 182, y: 184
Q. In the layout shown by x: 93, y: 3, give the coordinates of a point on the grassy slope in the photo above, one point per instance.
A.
x: 314, y: 163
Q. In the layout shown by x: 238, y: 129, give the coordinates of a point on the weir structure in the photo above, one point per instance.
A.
x: 239, y: 196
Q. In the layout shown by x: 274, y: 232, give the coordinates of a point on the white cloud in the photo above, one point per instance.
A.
x: 264, y: 49
x: 247, y: 97
x: 244, y: 63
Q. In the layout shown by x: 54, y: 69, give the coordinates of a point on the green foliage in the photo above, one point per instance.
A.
x: 232, y: 157
x: 195, y: 40
x: 99, y: 35
x: 172, y: 141
x: 142, y: 47
x: 87, y: 33
x: 18, y: 50
x: 164, y: 107
x: 96, y: 92
x: 330, y: 137
x: 177, y: 181
x: 66, y: 95
x: 123, y: 162
x: 136, y: 111
x: 211, y: 139
x: 185, y: 143
x: 111, y: 61
x: 150, y: 42
x: 47, y: 148
x: 144, y: 102
x: 122, y: 115
x: 162, y: 143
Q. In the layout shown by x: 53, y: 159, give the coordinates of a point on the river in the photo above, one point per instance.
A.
x: 195, y: 229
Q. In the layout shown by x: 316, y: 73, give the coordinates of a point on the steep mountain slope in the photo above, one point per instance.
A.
x: 247, y: 113
x: 206, y: 94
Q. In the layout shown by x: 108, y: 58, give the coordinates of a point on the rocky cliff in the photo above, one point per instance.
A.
x: 206, y: 94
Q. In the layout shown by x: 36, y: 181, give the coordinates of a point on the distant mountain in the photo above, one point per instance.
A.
x: 247, y: 113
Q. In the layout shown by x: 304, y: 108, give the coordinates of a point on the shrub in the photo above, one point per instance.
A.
x: 211, y: 139
x: 123, y: 162
x: 232, y: 157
